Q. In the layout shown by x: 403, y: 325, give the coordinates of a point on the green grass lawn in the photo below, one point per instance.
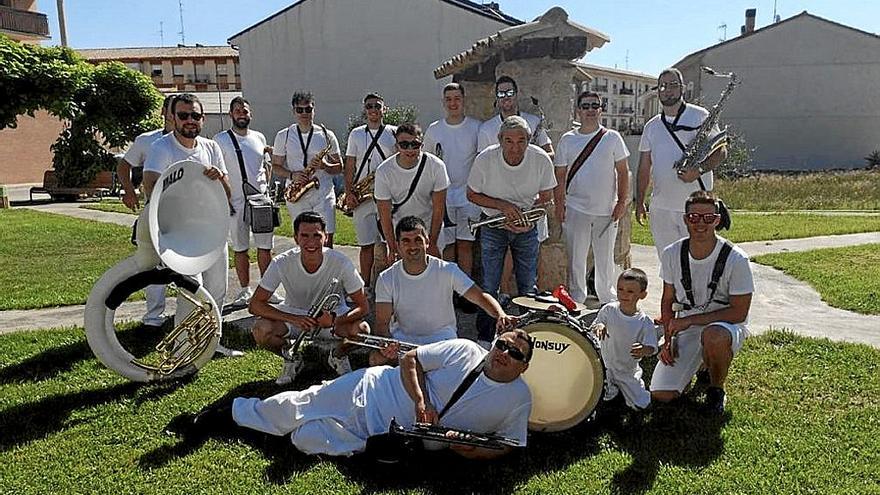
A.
x: 344, y: 236
x: 802, y: 418
x: 853, y: 190
x: 53, y: 260
x: 771, y: 227
x: 846, y: 278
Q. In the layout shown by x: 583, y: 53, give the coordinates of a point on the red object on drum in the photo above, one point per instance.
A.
x: 564, y: 297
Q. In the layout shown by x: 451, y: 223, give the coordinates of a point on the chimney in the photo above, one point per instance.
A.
x: 749, y: 26
x: 492, y: 6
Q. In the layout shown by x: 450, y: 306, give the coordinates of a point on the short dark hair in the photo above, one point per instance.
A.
x: 373, y: 96
x: 238, y: 100
x: 505, y: 79
x: 308, y: 217
x: 409, y: 224
x: 671, y: 70
x: 453, y: 86
x: 301, y: 97
x: 588, y: 94
x: 409, y: 128
x: 186, y: 98
x: 167, y: 102
x: 635, y: 275
x: 530, y: 342
x: 701, y: 198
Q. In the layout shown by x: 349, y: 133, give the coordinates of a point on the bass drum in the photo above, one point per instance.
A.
x: 566, y: 375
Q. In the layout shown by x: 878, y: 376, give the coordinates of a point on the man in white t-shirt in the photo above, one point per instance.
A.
x: 704, y: 324
x: 414, y: 295
x: 411, y: 182
x: 185, y: 143
x: 368, y: 146
x: 506, y: 179
x: 658, y: 154
x: 252, y: 146
x: 506, y: 92
x: 337, y: 418
x: 135, y: 157
x: 593, y: 200
x: 307, y: 272
x: 453, y: 139
x: 296, y: 148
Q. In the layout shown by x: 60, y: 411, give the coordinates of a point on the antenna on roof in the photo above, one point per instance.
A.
x: 161, y: 33
x: 182, y: 30
x: 775, y: 15
x: 723, y: 29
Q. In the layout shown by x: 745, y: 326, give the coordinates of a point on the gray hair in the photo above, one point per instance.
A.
x: 514, y: 122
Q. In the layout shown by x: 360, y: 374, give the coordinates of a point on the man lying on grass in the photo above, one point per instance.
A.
x: 453, y: 383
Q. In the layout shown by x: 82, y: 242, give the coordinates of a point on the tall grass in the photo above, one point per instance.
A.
x: 838, y: 190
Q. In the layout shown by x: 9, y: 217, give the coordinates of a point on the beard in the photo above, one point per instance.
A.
x: 668, y: 102
x: 189, y: 133
x: 241, y: 123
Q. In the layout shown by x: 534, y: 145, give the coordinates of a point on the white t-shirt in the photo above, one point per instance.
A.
x: 669, y: 191
x: 393, y: 182
x: 252, y: 147
x: 287, y: 144
x: 301, y: 287
x: 136, y: 154
x: 593, y: 189
x: 168, y: 150
x: 456, y: 145
x: 736, y: 280
x: 623, y: 331
x: 423, y: 310
x: 487, y: 406
x: 520, y: 185
x: 489, y: 131
x: 359, y: 140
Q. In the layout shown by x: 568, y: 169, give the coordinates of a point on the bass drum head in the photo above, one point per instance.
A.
x: 565, y: 376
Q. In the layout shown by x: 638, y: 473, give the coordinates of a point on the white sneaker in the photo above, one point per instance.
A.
x: 289, y: 370
x: 227, y: 352
x: 340, y: 365
x: 243, y: 298
x: 273, y: 299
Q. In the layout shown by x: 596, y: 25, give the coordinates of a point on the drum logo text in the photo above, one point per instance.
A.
x: 549, y: 345
x: 171, y: 179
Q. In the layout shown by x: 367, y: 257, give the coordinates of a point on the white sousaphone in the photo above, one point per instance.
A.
x: 184, y: 228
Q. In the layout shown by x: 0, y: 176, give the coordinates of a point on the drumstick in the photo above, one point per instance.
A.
x: 605, y: 229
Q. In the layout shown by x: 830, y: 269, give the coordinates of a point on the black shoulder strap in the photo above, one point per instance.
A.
x: 684, y: 256
x: 584, y: 155
x: 374, y: 144
x: 304, y: 145
x: 412, y: 186
x: 717, y: 271
x: 244, y: 182
x: 463, y: 386
x: 671, y: 128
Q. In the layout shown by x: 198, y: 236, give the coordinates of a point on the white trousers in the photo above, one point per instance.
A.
x: 667, y: 226
x: 581, y: 232
x: 214, y: 279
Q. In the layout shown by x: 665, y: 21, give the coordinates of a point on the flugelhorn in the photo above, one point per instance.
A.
x: 327, y: 300
x: 378, y: 342
x: 530, y: 216
x: 298, y: 188
x: 184, y: 227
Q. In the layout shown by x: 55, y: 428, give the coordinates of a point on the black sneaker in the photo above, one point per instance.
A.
x: 214, y: 419
x: 715, y: 400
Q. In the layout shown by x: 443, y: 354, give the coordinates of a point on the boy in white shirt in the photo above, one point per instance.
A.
x: 626, y: 335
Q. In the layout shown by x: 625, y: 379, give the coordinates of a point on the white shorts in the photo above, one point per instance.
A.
x: 690, y: 356
x: 460, y: 215
x: 323, y: 334
x: 326, y: 206
x: 366, y: 225
x: 667, y: 226
x: 240, y: 233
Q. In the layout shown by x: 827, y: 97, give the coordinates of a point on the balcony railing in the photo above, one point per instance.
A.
x: 600, y: 89
x: 626, y: 91
x: 23, y: 21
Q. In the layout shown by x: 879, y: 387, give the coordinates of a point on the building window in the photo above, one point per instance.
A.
x: 177, y: 69
x: 604, y: 102
x: 156, y: 70
x: 133, y: 66
x: 222, y: 69
x: 605, y: 122
x: 237, y: 69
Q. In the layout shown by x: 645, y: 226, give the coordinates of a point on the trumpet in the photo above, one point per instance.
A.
x: 530, y: 215
x: 297, y: 189
x: 379, y: 342
x: 327, y: 300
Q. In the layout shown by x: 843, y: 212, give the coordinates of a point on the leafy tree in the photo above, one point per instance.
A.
x: 103, y: 106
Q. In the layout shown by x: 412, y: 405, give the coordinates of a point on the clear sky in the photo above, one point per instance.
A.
x: 646, y: 35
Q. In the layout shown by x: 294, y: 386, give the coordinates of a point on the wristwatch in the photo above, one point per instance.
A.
x: 701, y: 170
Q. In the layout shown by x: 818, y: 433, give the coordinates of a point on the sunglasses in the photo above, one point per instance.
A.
x: 373, y: 106
x: 187, y: 115
x: 409, y: 145
x: 510, y: 93
x: 705, y: 217
x: 303, y: 109
x: 587, y: 106
x: 510, y: 349
x: 671, y: 85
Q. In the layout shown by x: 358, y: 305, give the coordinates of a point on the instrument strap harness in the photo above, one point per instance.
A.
x: 584, y: 155
x: 717, y: 271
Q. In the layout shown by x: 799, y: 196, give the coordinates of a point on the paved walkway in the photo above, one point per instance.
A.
x: 780, y: 301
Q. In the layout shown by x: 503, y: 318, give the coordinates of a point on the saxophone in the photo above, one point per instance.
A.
x: 541, y: 126
x: 362, y: 191
x: 297, y: 189
x: 703, y: 144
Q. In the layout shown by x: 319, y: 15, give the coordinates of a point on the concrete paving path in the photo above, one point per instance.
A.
x: 780, y: 301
